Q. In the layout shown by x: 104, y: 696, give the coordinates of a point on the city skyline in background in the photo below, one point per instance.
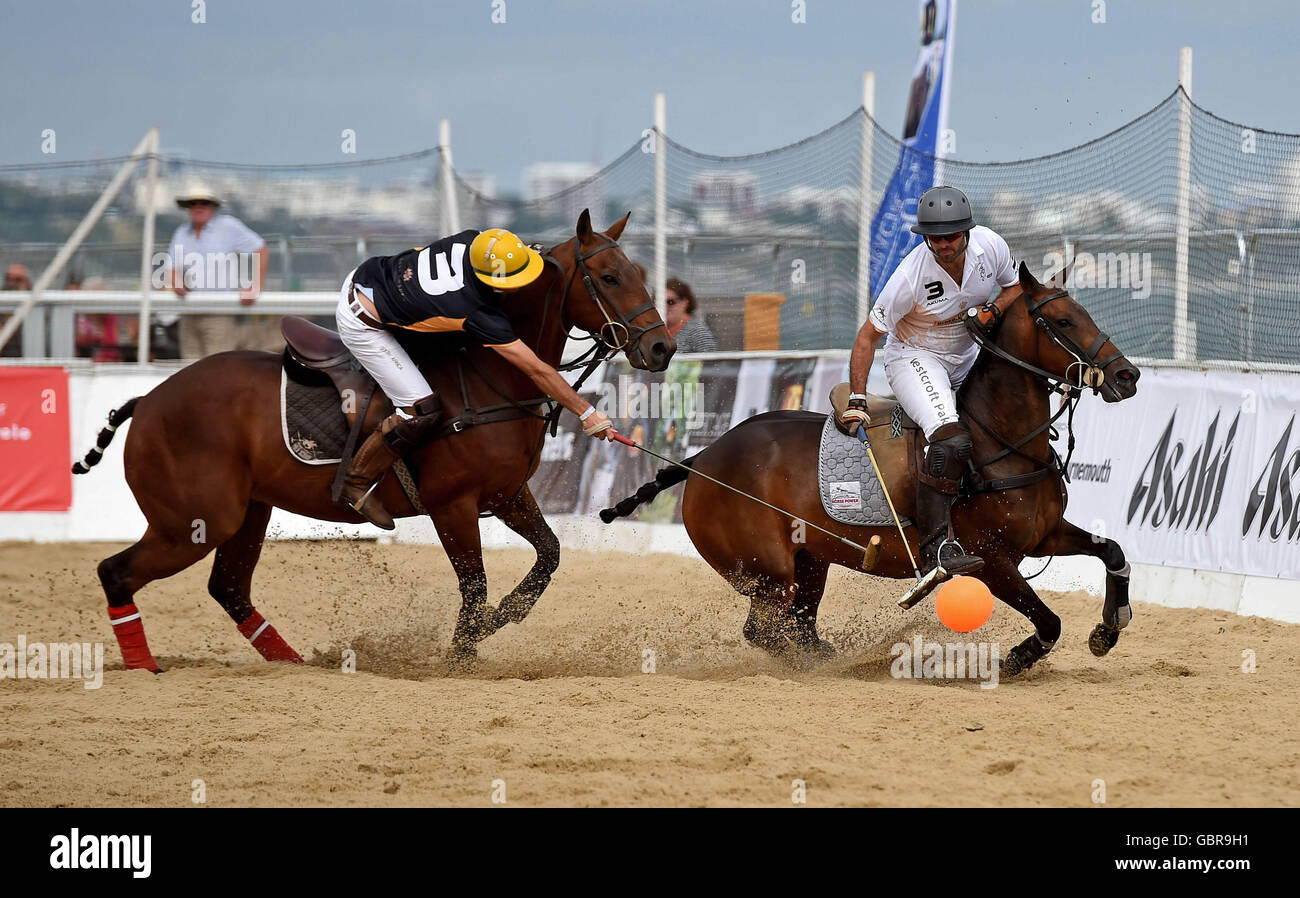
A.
x: 739, y: 78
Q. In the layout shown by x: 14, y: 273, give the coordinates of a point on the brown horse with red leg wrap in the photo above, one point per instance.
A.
x: 1013, y: 496
x: 205, y: 450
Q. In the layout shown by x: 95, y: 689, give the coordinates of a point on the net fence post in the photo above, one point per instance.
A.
x: 864, y: 195
x: 146, y: 249
x: 661, y: 204
x: 450, y: 208
x: 78, y: 235
x: 1183, y: 350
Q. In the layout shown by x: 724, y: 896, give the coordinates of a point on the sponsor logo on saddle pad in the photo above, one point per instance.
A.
x: 846, y: 494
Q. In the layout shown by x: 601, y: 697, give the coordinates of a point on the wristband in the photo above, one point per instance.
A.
x: 862, y: 396
x: 587, y: 414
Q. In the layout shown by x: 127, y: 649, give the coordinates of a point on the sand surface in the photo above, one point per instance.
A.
x: 558, y: 711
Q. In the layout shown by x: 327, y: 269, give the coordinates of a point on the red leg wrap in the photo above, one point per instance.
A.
x: 129, y: 630
x: 266, y: 640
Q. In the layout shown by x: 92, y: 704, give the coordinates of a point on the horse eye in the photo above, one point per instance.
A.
x: 1064, y: 322
x: 609, y: 279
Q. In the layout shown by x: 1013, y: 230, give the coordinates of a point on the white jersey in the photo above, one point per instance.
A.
x: 922, y: 307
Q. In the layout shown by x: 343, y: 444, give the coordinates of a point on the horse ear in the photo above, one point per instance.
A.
x: 584, y: 226
x: 1027, y: 282
x: 616, y: 229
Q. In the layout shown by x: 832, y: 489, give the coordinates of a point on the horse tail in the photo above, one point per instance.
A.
x: 666, y: 479
x: 116, y: 418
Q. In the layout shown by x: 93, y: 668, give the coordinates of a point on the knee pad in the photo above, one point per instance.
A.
x: 949, y: 452
x: 406, y: 434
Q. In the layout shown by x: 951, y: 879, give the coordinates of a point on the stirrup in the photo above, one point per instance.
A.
x: 968, y: 568
x: 357, y: 505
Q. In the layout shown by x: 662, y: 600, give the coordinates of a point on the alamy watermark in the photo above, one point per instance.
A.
x: 1109, y: 270
x: 630, y: 398
x: 922, y: 660
x: 208, y: 271
x: 53, y: 661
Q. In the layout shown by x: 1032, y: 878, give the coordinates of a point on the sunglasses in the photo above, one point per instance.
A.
x: 199, y: 203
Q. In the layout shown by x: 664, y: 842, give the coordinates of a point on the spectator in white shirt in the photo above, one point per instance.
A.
x: 213, y: 252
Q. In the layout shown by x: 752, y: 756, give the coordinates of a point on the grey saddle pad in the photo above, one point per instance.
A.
x: 312, y: 422
x: 850, y: 492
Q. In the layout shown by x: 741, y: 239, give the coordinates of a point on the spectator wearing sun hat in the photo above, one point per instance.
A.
x: 207, y: 236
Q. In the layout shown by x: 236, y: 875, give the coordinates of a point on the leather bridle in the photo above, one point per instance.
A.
x: 618, y: 332
x: 1092, y: 370
x: 1091, y: 373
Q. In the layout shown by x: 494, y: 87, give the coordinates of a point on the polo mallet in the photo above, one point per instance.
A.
x: 924, y: 584
x: 870, y: 552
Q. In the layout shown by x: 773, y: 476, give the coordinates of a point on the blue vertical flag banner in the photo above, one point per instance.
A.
x: 919, y: 167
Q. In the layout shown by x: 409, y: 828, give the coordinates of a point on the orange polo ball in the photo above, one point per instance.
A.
x: 964, y: 604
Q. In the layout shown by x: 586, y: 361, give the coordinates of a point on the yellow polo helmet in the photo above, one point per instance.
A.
x: 502, y: 260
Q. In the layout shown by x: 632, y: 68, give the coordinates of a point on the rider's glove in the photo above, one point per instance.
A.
x: 593, y: 422
x: 855, y: 413
x: 984, y: 319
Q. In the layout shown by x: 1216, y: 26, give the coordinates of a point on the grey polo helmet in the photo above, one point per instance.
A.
x: 942, y: 210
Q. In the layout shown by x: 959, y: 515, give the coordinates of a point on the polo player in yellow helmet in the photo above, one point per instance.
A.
x: 429, y: 289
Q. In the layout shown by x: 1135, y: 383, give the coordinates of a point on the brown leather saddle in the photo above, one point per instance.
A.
x: 321, y: 350
x: 313, y: 350
x: 882, y: 410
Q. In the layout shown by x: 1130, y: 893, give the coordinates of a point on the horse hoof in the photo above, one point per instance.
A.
x: 1023, y: 657
x: 806, y: 655
x: 1102, y: 639
x: 817, y: 650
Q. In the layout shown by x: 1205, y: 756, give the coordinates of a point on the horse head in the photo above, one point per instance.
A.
x: 605, y: 295
x: 1052, y: 331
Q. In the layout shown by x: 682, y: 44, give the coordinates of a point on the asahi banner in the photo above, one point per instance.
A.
x: 1200, y: 469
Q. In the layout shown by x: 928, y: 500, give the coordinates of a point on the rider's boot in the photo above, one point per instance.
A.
x: 946, y: 459
x: 396, y: 436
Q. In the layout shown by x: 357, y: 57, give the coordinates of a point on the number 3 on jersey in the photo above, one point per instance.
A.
x: 450, y: 272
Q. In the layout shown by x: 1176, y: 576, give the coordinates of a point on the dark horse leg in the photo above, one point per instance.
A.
x: 522, y: 515
x: 1115, y: 611
x: 810, y: 584
x: 231, y: 585
x: 783, y: 611
x: 457, y: 526
x: 1003, y: 578
x: 154, y: 557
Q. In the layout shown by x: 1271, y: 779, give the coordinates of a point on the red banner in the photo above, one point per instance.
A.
x: 35, y: 440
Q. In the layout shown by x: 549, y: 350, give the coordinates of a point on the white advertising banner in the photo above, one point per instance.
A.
x: 1199, y: 469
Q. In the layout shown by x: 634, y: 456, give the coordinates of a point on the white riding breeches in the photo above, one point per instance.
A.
x: 925, y: 383
x: 379, y: 352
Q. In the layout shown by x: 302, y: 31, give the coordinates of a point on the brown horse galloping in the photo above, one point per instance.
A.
x: 205, y: 452
x: 1015, y: 491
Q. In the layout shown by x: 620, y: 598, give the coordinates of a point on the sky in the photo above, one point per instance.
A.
x: 277, y: 81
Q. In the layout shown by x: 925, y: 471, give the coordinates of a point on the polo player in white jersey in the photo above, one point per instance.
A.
x: 960, y: 265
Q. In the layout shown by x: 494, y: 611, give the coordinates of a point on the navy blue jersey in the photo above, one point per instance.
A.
x: 433, y: 289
